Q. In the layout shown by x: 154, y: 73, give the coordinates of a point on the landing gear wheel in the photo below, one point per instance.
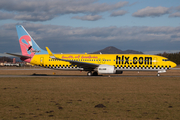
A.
x: 95, y: 74
x: 89, y: 74
x: 158, y: 74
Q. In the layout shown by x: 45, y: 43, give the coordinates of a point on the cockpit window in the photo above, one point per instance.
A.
x: 165, y: 60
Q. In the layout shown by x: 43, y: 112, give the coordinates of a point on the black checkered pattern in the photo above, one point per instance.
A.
x: 122, y: 67
x: 61, y: 66
x: 142, y: 67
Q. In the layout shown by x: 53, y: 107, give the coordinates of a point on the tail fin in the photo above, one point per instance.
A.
x: 28, y: 46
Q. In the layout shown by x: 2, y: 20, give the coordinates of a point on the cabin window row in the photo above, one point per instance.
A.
x: 83, y: 60
x: 134, y: 60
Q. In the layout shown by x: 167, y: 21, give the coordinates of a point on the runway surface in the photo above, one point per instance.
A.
x: 43, y: 72
x: 44, y: 75
x: 26, y: 69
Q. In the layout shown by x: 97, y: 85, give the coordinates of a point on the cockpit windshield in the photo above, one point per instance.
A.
x: 165, y: 60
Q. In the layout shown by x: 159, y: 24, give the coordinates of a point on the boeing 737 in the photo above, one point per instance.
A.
x: 94, y: 64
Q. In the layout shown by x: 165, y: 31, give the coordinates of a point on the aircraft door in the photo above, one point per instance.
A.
x: 155, y: 60
x: 42, y: 60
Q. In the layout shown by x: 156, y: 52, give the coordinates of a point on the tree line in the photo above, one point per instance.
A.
x: 7, y: 59
x: 175, y: 57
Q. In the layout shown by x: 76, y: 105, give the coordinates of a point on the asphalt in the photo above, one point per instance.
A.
x: 44, y: 75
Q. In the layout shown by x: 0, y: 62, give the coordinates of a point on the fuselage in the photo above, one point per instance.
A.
x: 119, y: 61
x: 93, y: 63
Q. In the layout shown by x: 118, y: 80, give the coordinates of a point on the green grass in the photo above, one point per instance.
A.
x: 75, y: 98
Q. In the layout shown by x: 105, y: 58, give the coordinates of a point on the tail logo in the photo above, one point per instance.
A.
x: 26, y: 45
x: 30, y: 43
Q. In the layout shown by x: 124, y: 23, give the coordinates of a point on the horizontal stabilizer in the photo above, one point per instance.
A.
x: 21, y: 56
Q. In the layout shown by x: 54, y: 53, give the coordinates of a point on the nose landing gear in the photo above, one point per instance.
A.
x: 158, y: 75
x: 161, y: 71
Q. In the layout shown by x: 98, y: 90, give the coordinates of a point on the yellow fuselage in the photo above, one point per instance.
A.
x: 119, y: 61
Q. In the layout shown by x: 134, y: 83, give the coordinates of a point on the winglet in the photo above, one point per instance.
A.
x: 50, y: 53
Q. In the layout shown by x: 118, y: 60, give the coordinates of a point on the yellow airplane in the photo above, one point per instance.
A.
x: 94, y: 64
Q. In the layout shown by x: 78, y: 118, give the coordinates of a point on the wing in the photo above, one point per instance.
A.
x: 86, y: 66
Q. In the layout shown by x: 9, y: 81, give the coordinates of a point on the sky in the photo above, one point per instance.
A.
x: 79, y: 26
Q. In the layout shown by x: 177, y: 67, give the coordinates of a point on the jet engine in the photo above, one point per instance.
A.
x: 108, y: 69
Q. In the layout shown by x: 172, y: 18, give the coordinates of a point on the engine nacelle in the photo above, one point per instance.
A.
x: 106, y: 69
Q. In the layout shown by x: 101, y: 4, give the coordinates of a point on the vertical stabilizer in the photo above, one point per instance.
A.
x: 28, y: 46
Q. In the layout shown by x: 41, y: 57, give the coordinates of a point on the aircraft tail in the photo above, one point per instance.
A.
x: 28, y: 46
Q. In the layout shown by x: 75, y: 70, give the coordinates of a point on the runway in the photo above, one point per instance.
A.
x: 42, y: 72
x: 25, y: 69
x: 76, y: 76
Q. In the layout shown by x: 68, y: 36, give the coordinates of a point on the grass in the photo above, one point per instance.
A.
x: 128, y: 98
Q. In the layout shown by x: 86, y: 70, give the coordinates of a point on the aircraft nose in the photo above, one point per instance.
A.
x: 173, y: 64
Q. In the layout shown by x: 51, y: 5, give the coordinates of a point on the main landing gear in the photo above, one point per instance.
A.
x: 89, y: 74
x: 92, y: 74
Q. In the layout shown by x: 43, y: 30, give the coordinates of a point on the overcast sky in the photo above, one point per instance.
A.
x: 78, y: 26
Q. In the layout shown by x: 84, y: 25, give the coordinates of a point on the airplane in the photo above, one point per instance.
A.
x: 94, y: 64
